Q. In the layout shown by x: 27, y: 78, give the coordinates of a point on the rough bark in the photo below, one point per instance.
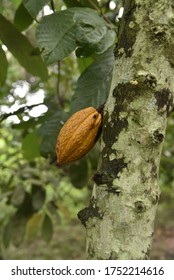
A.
x: 120, y: 218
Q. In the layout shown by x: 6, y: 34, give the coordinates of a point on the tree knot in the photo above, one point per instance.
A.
x: 140, y: 207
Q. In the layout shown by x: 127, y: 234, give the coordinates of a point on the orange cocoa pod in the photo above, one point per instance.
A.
x: 78, y: 135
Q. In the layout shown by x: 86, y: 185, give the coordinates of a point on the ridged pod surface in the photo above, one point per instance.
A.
x: 77, y: 136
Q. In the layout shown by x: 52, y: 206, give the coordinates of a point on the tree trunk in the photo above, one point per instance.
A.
x: 120, y: 218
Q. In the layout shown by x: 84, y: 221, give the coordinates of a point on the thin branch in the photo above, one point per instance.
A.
x: 60, y: 102
x: 58, y: 85
x: 19, y: 111
x: 58, y: 81
x: 52, y: 5
x: 100, y: 11
x: 58, y: 98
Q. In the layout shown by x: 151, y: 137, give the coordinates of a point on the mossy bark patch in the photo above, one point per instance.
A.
x: 127, y: 31
x: 164, y: 101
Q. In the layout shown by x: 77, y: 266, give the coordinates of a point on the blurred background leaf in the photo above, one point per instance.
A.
x: 22, y: 49
x: 22, y: 18
x: 30, y: 146
x: 47, y: 228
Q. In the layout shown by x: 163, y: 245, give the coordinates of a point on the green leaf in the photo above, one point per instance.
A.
x: 94, y: 83
x: 30, y: 146
x: 22, y: 18
x: 78, y: 173
x: 91, y: 29
x: 3, y: 66
x: 18, y: 196
x: 18, y: 228
x: 48, y: 133
x: 93, y: 4
x: 83, y: 63
x: 34, y: 6
x: 92, y: 34
x: 47, y: 228
x: 1, y: 8
x: 60, y: 33
x: 106, y: 42
x: 56, y: 34
x: 93, y: 157
x: 85, y: 51
x: 38, y: 197
x: 72, y: 3
x: 21, y: 48
x: 16, y: 2
x: 88, y: 17
x: 25, y: 209
x: 6, y: 234
x: 34, y: 224
x: 88, y: 34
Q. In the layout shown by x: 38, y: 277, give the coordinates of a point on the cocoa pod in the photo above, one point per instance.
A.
x: 77, y: 136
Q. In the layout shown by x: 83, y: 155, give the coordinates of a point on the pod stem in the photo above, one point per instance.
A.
x: 101, y: 108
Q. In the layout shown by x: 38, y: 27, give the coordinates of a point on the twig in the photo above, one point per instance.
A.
x: 19, y: 111
x: 58, y: 79
x: 96, y: 8
x: 52, y: 5
x: 59, y: 100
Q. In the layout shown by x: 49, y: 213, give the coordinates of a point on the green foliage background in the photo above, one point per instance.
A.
x: 66, y: 57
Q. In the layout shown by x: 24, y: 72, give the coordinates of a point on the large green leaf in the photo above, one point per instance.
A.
x: 48, y: 133
x: 106, y: 42
x: 89, y: 48
x: 92, y: 33
x: 22, y: 18
x: 56, y: 35
x: 87, y: 16
x: 3, y: 66
x: 94, y: 83
x: 93, y: 30
x: 60, y: 33
x: 34, y: 6
x: 22, y: 49
x: 79, y: 173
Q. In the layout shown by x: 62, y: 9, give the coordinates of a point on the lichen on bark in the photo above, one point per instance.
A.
x: 126, y: 189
